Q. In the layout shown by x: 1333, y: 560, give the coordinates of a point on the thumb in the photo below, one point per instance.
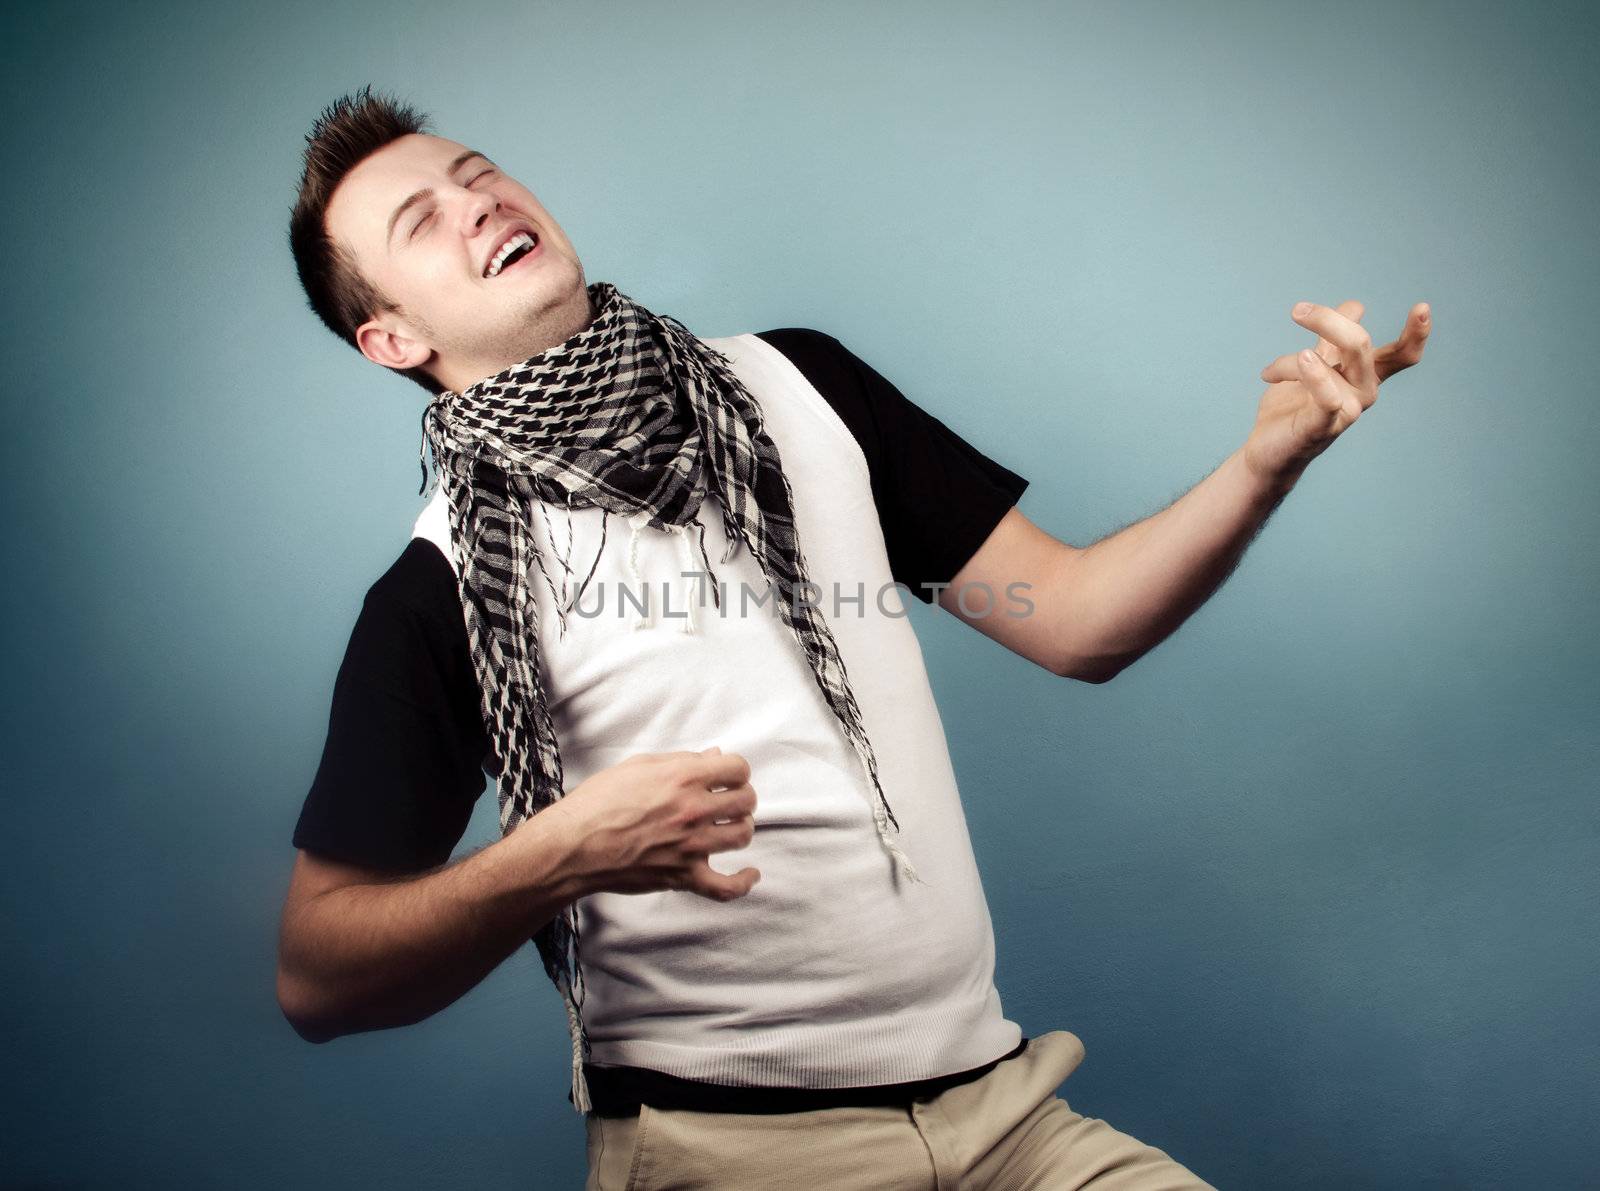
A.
x: 714, y: 749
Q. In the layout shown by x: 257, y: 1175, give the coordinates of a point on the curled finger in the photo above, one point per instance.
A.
x: 1287, y: 368
x: 728, y: 836
x: 1326, y: 386
x: 1352, y: 340
x: 708, y: 882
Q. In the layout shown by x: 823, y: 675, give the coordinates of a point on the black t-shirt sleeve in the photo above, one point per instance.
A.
x: 938, y: 496
x: 403, y: 761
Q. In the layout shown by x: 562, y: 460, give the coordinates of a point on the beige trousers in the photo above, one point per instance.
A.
x: 1006, y: 1131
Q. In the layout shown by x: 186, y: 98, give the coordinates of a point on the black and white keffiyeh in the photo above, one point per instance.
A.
x: 632, y: 414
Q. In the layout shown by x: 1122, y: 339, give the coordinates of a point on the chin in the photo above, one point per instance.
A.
x: 575, y: 301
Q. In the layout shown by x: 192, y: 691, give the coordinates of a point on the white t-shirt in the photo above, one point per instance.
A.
x: 833, y: 972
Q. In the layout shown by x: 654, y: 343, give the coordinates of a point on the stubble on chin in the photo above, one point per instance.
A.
x: 538, y: 324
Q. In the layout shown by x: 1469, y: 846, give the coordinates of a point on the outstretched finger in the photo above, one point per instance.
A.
x: 1406, y: 350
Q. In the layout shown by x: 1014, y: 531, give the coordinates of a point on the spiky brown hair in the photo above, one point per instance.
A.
x: 349, y: 130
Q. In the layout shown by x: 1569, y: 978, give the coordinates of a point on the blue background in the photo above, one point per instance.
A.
x: 1315, y: 881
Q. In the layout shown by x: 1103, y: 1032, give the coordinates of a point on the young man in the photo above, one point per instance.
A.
x: 835, y: 989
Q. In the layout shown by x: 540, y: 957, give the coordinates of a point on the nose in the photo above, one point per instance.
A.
x: 477, y: 210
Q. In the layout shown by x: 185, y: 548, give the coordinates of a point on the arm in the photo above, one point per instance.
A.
x: 359, y: 950
x: 1098, y: 609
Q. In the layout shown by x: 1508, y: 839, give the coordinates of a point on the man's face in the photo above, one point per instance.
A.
x: 425, y: 219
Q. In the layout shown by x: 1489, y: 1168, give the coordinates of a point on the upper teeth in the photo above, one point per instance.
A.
x: 519, y: 240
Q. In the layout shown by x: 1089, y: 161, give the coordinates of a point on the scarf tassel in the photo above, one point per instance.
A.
x: 580, y: 1085
x: 644, y: 618
x: 682, y: 532
x: 901, y: 860
x: 688, y: 563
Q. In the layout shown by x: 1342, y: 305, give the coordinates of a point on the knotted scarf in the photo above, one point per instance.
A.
x: 635, y: 415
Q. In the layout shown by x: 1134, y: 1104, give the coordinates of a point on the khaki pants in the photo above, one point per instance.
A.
x: 1007, y: 1131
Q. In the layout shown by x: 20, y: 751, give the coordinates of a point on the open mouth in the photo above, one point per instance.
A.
x: 517, y: 248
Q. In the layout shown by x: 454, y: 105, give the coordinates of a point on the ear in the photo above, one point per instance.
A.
x: 384, y: 341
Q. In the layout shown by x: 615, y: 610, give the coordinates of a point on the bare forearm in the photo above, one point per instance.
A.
x: 1135, y: 587
x: 373, y: 956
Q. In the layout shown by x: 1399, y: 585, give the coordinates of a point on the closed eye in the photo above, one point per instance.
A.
x: 416, y: 227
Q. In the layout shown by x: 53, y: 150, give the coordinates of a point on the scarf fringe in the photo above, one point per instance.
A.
x: 682, y: 532
x: 645, y: 618
x: 716, y: 597
x: 580, y: 1086
x: 901, y: 860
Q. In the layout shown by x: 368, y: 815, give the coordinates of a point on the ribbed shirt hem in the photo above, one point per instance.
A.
x: 906, y: 1046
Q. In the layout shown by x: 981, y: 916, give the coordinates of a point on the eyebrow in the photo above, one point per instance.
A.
x: 427, y: 192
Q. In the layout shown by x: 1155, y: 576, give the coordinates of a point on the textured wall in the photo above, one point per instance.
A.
x: 1315, y: 881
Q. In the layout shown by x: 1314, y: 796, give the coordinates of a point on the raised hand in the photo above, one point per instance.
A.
x: 1313, y: 396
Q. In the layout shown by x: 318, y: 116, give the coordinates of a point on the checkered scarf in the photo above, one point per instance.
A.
x: 633, y: 414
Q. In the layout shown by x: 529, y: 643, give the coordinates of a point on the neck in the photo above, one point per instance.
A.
x: 562, y: 327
